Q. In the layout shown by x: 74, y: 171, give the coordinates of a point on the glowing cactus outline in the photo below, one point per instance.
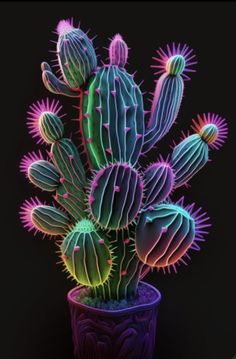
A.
x: 116, y: 220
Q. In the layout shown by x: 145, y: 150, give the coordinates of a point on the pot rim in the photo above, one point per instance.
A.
x: 113, y: 312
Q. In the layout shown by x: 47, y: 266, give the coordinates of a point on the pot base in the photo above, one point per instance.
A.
x: 127, y: 333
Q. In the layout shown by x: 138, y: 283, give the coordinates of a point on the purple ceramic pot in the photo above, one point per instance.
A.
x: 115, y: 334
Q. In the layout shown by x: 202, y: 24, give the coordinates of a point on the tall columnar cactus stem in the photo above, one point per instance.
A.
x: 86, y: 254
x: 115, y: 196
x: 117, y: 219
x: 113, y: 117
x: 168, y: 93
x: 166, y: 232
x: 192, y: 153
x: 124, y: 279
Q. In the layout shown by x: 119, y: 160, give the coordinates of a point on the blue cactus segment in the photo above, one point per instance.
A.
x: 86, y: 254
x: 71, y: 193
x: 76, y: 55
x: 123, y: 280
x: 118, y: 51
x: 164, y: 234
x: 188, y: 157
x: 50, y: 220
x: 53, y: 84
x: 165, y: 107
x: 115, y: 196
x: 112, y: 118
x: 159, y: 182
x: 44, y: 175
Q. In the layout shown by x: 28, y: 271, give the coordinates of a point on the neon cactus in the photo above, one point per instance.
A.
x: 115, y: 218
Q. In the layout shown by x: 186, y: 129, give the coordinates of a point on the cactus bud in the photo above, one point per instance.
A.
x: 50, y: 127
x: 118, y: 51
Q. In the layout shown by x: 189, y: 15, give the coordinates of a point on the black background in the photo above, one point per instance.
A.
x: 197, y: 313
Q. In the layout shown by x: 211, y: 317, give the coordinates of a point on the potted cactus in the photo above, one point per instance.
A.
x: 112, y: 219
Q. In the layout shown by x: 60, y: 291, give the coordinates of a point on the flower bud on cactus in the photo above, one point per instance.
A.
x: 113, y: 118
x: 165, y: 233
x: 118, y: 51
x: 115, y: 196
x: 86, y: 255
x: 76, y: 55
x: 159, y: 182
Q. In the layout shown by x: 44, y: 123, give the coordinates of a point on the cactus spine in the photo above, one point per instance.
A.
x: 115, y: 218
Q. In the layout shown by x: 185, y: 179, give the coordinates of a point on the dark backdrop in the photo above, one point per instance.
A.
x: 197, y: 313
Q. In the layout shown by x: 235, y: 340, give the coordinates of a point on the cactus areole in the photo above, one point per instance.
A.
x: 112, y: 214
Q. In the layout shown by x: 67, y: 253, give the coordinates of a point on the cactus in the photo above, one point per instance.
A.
x: 115, y: 217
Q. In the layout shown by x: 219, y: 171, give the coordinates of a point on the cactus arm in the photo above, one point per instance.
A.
x: 46, y: 219
x: 165, y: 108
x: 53, y: 84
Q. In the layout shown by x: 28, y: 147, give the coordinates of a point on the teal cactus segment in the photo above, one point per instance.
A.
x: 50, y: 220
x: 175, y: 65
x: 115, y: 196
x: 209, y: 133
x: 165, y: 107
x: 159, y: 182
x: 50, y: 127
x: 44, y: 175
x: 86, y: 254
x: 76, y: 55
x: 112, y: 118
x: 123, y: 280
x: 53, y: 84
x: 71, y: 193
x: 188, y: 157
x: 164, y: 233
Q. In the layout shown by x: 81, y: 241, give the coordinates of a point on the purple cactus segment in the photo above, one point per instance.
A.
x: 118, y: 51
x: 165, y: 107
x: 76, y: 55
x: 159, y: 182
x: 86, y: 255
x: 112, y: 118
x: 175, y: 59
x: 115, y: 195
x: 46, y: 219
x: 166, y: 232
x: 36, y: 113
x: 212, y: 128
x: 188, y: 157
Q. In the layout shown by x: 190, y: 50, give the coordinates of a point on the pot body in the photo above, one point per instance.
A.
x: 115, y: 334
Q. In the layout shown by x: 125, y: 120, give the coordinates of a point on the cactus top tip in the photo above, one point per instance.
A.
x: 118, y: 51
x: 84, y: 226
x: 64, y: 26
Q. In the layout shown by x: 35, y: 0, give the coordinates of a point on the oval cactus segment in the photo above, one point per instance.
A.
x: 44, y: 175
x: 76, y: 55
x: 164, y: 234
x: 86, y: 255
x: 188, y: 157
x: 165, y: 107
x: 159, y: 182
x: 113, y: 117
x: 51, y: 127
x: 50, y: 220
x: 115, y: 196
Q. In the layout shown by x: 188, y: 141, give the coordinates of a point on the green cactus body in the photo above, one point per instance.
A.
x: 44, y: 175
x: 86, y: 254
x: 50, y: 220
x: 112, y: 117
